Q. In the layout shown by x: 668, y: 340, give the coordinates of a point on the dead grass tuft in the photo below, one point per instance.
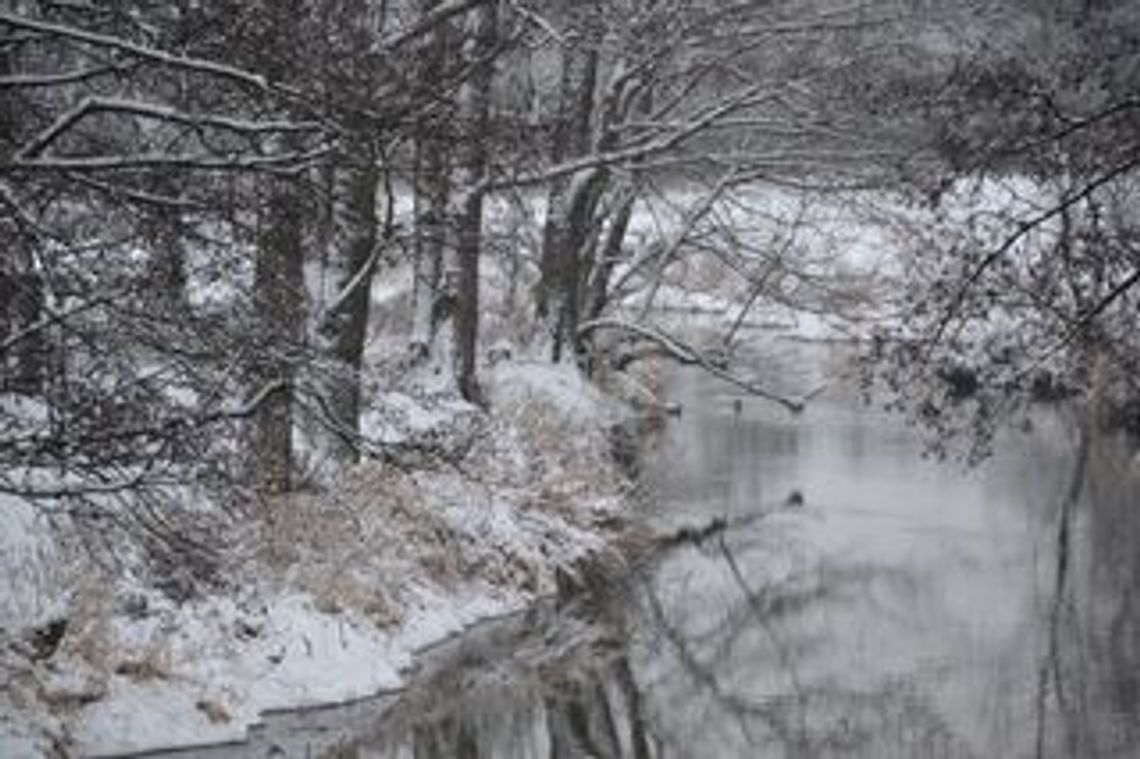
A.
x: 88, y: 636
x: 353, y: 548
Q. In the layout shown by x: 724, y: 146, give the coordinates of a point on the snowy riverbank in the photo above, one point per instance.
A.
x: 326, y: 596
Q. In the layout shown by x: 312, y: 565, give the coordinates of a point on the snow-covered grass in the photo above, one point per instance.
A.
x: 327, y: 595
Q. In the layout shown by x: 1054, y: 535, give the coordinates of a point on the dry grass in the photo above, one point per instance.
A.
x: 521, y: 502
x: 88, y: 636
x: 353, y: 548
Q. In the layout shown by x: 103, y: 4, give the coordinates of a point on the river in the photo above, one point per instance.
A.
x: 861, y: 601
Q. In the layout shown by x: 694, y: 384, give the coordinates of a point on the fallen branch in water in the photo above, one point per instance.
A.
x: 693, y: 535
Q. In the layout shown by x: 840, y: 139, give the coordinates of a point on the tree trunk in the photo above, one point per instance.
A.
x: 24, y: 355
x: 279, y: 300
x: 430, y: 200
x: 640, y: 99
x: 571, y: 200
x: 598, y: 293
x: 351, y: 259
x: 474, y: 100
x: 23, y: 346
x: 164, y: 234
x: 431, y: 190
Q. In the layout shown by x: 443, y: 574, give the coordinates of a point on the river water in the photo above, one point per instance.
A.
x: 892, y: 607
x: 905, y: 610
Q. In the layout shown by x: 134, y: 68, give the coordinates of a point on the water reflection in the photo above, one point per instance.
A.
x: 554, y: 682
x: 927, y: 594
x: 906, y: 610
x: 1095, y: 677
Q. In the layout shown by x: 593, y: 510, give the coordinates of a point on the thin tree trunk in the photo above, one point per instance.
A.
x: 431, y: 197
x: 577, y: 256
x: 431, y: 190
x: 164, y: 236
x: 23, y: 360
x: 597, y: 295
x: 571, y: 200
x: 611, y: 252
x: 352, y: 258
x: 471, y: 165
x: 639, y: 732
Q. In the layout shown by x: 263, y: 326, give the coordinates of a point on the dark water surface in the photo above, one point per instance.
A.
x: 905, y: 609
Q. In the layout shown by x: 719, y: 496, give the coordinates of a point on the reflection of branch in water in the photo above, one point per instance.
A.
x: 786, y: 661
x: 815, y: 717
x: 739, y: 708
x: 798, y: 592
x: 638, y: 725
x: 1051, y: 666
x: 554, y: 680
x: 569, y: 725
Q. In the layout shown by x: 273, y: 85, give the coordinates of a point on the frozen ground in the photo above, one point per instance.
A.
x: 329, y: 597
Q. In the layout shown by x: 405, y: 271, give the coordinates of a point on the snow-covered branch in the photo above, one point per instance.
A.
x: 199, y: 65
x: 1023, y: 229
x: 428, y: 21
x: 15, y: 337
x: 358, y: 279
x: 538, y: 20
x: 203, y: 162
x: 94, y: 105
x: 692, y: 218
x: 689, y: 355
x: 28, y: 81
x: 749, y: 97
x: 250, y: 405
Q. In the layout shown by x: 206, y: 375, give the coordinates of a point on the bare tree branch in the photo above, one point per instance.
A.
x: 687, y: 354
x: 1022, y: 230
x: 199, y: 65
x: 93, y: 105
x: 27, y: 81
x: 441, y: 13
x: 749, y: 97
x: 203, y: 162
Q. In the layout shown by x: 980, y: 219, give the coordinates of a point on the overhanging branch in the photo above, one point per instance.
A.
x: 1022, y: 230
x: 687, y: 354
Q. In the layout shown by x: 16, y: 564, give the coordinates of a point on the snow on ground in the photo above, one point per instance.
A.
x: 210, y: 668
x: 328, y: 596
x: 30, y: 581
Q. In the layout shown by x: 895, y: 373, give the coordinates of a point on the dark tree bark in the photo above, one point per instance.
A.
x: 279, y: 300
x: 23, y: 340
x: 571, y: 200
x: 432, y: 191
x: 23, y: 348
x: 351, y: 259
x: 431, y: 194
x: 473, y: 109
x: 610, y: 252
